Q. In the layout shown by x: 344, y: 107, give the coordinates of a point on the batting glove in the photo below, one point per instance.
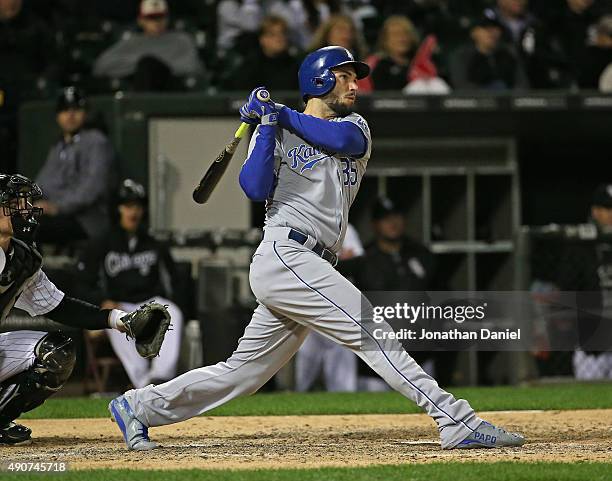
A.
x: 248, y: 117
x: 258, y: 110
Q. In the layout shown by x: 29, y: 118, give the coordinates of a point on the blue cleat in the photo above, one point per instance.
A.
x: 135, y: 433
x: 489, y: 436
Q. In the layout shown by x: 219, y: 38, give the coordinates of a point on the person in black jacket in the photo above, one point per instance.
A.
x: 597, y: 56
x: 487, y: 62
x: 394, y: 262
x: 586, y: 269
x: 270, y: 63
x: 77, y: 177
x: 126, y: 268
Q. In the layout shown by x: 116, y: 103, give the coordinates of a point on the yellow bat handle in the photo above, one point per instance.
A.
x: 241, y: 130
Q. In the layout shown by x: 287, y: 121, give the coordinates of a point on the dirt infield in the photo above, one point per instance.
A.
x: 312, y: 441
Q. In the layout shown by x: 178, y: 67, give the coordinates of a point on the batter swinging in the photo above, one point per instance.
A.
x: 308, y: 166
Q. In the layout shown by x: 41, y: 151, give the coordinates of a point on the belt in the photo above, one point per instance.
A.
x: 318, y: 248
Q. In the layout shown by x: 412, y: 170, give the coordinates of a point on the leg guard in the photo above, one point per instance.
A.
x: 55, y: 358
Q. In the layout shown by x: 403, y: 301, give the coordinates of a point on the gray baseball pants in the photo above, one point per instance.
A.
x: 298, y: 291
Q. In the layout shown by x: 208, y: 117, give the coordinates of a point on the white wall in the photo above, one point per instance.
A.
x: 187, y: 147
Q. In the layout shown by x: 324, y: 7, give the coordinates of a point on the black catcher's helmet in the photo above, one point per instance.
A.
x: 17, y: 196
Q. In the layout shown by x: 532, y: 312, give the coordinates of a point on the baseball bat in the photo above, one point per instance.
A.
x: 216, y: 170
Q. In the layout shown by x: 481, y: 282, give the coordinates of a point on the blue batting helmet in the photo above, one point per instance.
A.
x: 315, y: 75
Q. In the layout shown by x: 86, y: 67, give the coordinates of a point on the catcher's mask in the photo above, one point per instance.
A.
x: 17, y: 196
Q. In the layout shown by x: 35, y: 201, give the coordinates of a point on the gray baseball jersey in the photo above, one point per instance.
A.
x: 315, y: 188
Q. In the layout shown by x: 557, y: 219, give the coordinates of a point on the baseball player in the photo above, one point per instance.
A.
x: 127, y: 268
x: 308, y: 167
x: 33, y: 364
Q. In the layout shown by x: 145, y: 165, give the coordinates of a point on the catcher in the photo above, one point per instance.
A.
x: 35, y: 364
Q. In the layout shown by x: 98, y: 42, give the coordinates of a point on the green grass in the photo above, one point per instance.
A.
x: 504, y: 471
x: 562, y: 396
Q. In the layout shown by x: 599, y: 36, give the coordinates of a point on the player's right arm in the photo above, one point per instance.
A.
x: 346, y: 138
x: 257, y: 173
x: 40, y: 297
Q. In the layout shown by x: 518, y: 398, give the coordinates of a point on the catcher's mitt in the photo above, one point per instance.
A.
x: 148, y: 326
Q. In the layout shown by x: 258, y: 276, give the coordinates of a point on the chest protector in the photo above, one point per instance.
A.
x: 22, y: 262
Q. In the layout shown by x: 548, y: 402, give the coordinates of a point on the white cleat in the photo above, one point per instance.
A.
x: 489, y: 436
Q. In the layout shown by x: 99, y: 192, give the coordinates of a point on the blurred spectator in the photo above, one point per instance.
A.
x: 128, y: 268
x: 587, y: 269
x: 320, y: 355
x: 26, y: 45
x: 26, y: 58
x: 515, y: 19
x: 77, y: 176
x: 543, y: 58
x: 239, y: 20
x: 340, y: 30
x: 154, y: 57
x: 597, y: 56
x: 571, y: 23
x: 397, y: 43
x: 486, y: 63
x: 271, y: 64
x: 236, y: 18
x: 397, y: 66
x: 394, y: 262
x: 308, y: 15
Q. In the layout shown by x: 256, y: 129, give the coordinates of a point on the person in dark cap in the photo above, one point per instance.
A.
x: 152, y: 58
x: 586, y: 268
x: 597, y: 56
x: 395, y: 262
x: 601, y: 206
x: 487, y: 62
x: 77, y: 176
x: 128, y: 267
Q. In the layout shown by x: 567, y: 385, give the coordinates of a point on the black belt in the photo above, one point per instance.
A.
x: 318, y: 249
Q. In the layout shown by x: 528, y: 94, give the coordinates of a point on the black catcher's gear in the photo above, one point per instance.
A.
x: 14, y: 433
x: 22, y: 262
x: 55, y: 358
x: 17, y: 196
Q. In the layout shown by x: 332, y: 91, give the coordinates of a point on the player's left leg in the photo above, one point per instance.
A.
x: 33, y: 366
x: 308, y: 290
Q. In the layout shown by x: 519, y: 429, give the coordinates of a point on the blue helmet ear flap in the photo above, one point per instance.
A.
x: 323, y: 83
